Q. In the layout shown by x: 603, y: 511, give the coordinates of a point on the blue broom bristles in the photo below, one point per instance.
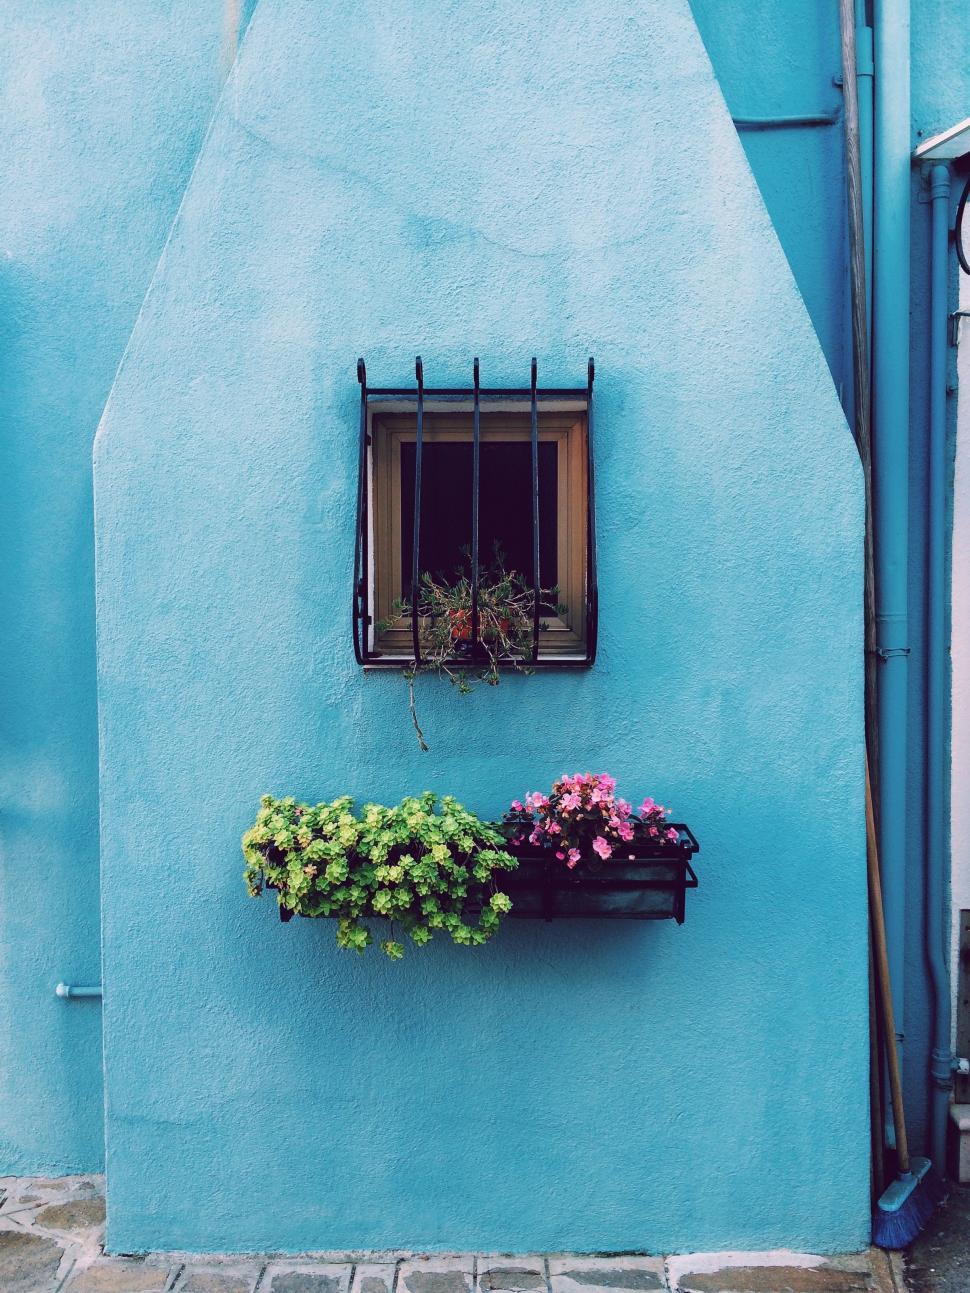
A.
x: 905, y: 1207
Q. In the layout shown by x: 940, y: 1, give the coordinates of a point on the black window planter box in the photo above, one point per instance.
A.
x: 652, y: 886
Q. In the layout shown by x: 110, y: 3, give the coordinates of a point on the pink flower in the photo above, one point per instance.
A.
x: 517, y: 805
x: 647, y: 807
x: 672, y: 834
x: 554, y: 828
x: 560, y: 856
x: 573, y: 857
x: 570, y: 802
x: 625, y: 831
x: 653, y: 831
x: 601, y: 847
x: 607, y: 782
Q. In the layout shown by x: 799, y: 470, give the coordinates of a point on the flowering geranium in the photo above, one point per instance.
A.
x: 583, y: 817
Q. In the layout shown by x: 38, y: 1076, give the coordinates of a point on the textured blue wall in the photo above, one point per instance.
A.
x: 102, y: 110
x: 777, y: 58
x: 576, y: 1086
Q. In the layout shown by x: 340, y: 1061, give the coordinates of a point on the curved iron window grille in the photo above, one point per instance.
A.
x: 372, y: 399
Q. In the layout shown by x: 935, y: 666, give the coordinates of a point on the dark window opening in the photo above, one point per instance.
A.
x: 505, y: 510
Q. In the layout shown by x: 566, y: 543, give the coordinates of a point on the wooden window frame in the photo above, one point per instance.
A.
x: 564, y: 639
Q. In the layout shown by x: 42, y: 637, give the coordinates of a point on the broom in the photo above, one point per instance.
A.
x: 904, y: 1208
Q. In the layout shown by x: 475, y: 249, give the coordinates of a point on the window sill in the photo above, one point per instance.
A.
x: 383, y: 664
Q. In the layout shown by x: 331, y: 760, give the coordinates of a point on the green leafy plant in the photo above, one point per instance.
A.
x: 424, y: 865
x: 449, y: 645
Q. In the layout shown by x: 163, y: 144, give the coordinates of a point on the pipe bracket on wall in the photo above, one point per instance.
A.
x: 955, y: 317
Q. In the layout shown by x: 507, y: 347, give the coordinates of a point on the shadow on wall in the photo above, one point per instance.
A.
x: 103, y: 111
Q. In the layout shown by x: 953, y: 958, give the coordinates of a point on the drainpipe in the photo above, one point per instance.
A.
x: 864, y: 90
x: 935, y: 927
x: 890, y: 350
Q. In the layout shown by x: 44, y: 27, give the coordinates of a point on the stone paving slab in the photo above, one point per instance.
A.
x: 374, y: 1277
x: 72, y: 1215
x: 202, y: 1277
x: 868, y: 1272
x: 437, y: 1275
x: 601, y: 1274
x: 117, y: 1275
x: 775, y: 1279
x: 512, y: 1274
x: 18, y: 1194
x: 28, y: 1263
x: 316, y: 1277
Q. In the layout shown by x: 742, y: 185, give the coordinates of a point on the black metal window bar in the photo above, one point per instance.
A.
x: 371, y: 398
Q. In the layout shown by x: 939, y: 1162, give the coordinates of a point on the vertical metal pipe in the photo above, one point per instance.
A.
x: 476, y: 447
x: 857, y: 73
x: 535, y: 515
x: 862, y: 402
x: 890, y: 341
x: 864, y: 93
x: 936, y: 926
x: 416, y: 532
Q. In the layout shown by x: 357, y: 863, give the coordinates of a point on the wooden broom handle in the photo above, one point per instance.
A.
x: 885, y: 989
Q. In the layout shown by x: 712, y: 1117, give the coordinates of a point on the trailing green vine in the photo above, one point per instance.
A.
x: 425, y: 865
x: 502, y: 639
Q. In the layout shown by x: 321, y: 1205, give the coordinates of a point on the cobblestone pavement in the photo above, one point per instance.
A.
x: 51, y: 1234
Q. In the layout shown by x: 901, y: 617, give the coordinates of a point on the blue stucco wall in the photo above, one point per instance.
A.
x: 576, y: 1086
x: 781, y: 58
x: 102, y: 110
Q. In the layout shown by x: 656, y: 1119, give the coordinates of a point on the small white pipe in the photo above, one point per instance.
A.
x: 72, y: 990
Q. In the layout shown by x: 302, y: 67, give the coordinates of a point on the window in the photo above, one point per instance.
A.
x: 386, y: 519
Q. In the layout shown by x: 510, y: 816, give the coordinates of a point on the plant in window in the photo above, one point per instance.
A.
x: 423, y: 865
x: 583, y: 820
x: 506, y: 604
